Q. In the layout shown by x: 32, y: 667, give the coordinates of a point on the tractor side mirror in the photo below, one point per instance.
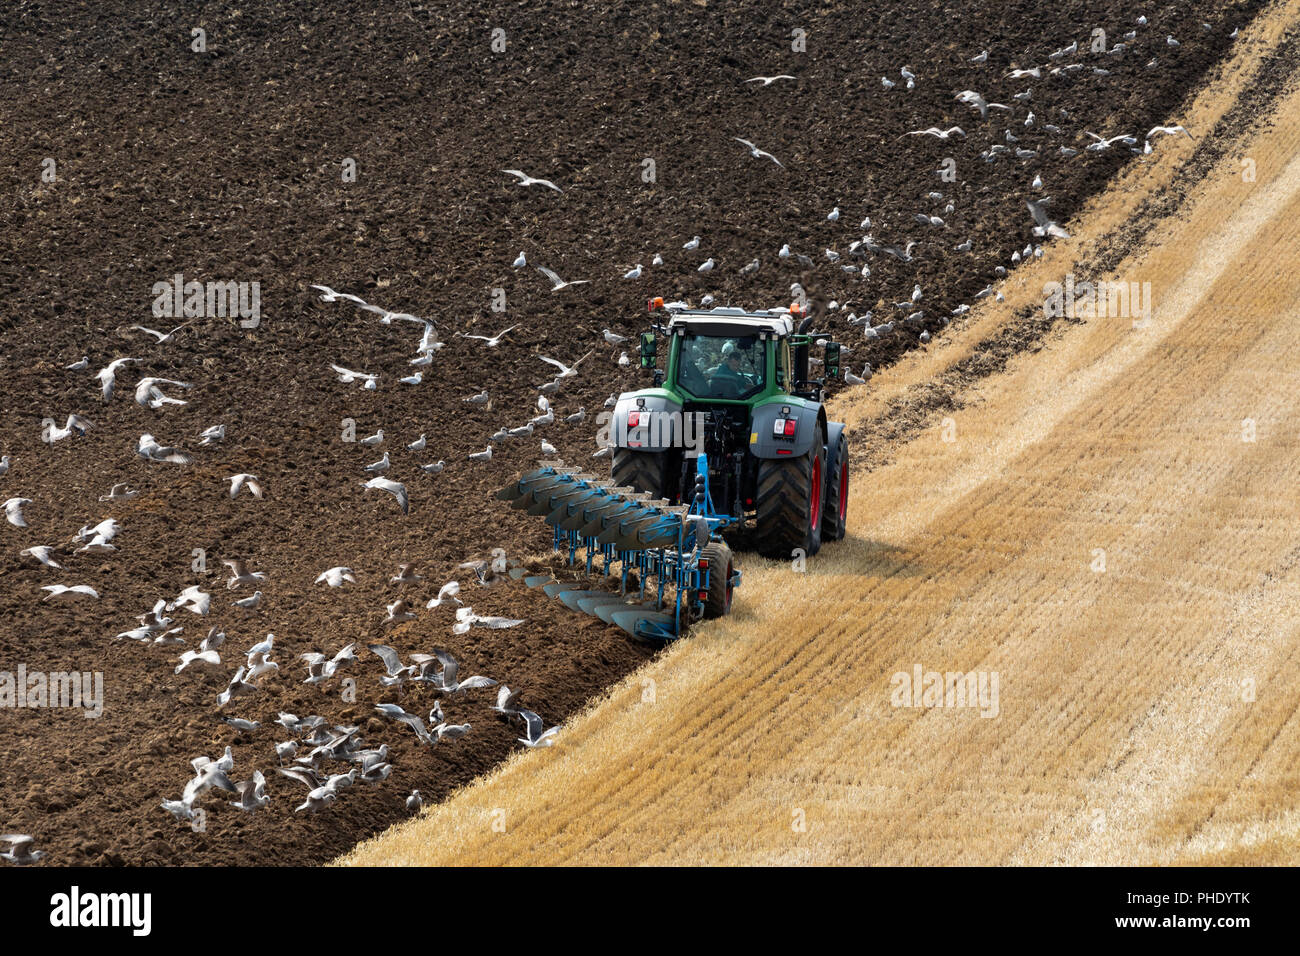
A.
x: 832, y: 359
x: 649, y: 350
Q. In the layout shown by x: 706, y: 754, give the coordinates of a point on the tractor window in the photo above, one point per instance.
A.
x: 783, y: 364
x: 714, y: 366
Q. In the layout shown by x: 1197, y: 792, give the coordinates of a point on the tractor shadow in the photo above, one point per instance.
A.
x: 854, y: 554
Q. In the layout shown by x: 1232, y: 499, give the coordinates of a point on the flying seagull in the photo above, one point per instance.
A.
x: 557, y: 283
x: 394, y: 488
x: 536, y: 736
x: 758, y: 153
x: 526, y: 180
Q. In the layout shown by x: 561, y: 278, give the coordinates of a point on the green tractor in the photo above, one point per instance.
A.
x: 737, y: 389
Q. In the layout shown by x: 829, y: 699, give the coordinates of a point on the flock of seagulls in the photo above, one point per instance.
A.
x: 313, y: 747
x: 257, y: 672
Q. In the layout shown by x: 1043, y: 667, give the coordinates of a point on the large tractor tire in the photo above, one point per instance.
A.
x: 718, y: 602
x: 642, y: 470
x: 789, y: 503
x: 835, y: 507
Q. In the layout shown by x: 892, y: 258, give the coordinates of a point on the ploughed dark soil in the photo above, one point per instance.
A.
x: 226, y: 165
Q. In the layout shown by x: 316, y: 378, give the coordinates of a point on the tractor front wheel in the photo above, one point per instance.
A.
x: 835, y: 510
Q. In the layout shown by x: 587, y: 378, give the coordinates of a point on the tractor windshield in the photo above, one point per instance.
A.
x: 715, y: 366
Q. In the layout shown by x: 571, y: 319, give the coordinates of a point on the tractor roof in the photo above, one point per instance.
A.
x: 729, y: 320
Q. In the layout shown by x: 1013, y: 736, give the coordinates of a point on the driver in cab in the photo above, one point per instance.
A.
x: 726, y: 380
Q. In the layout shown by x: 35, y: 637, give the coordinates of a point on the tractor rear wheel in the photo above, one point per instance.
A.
x: 789, y: 503
x: 835, y: 510
x: 718, y: 601
x: 643, y: 470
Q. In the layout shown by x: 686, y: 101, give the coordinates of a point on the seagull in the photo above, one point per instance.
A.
x: 445, y: 680
x: 379, y: 467
x: 240, y: 575
x: 74, y: 425
x: 42, y: 554
x: 394, y: 488
x: 252, y: 793
x: 1103, y: 144
x: 248, y: 603
x: 205, y: 657
x: 320, y: 668
x: 495, y: 340
x: 480, y: 399
x: 577, y: 417
x: 162, y: 337
x: 706, y: 265
x: 466, y: 619
x: 80, y: 364
x: 557, y: 283
x: 692, y: 244
x: 395, y: 712
x: 451, y: 731
x: 347, y: 376
x: 658, y: 260
x: 335, y: 577
x: 370, y: 441
x: 419, y: 444
x: 566, y: 371
x: 833, y: 215
x: 758, y: 153
x: 434, y: 468
x: 149, y: 449
x: 446, y: 594
x: 981, y: 57
x: 908, y: 75
x: 769, y: 80
x: 536, y: 736
x: 485, y: 455
x: 14, y: 511
x: 936, y: 132
x: 386, y: 316
x: 396, y: 672
x: 193, y: 599
x: 633, y: 273
x: 317, y: 800
x: 1169, y: 131
x: 240, y: 481
x: 107, y: 376
x: 519, y: 262
x: 526, y: 180
x: 398, y: 612
x: 1035, y: 72
x: 61, y: 590
x: 1044, y: 226
x: 506, y: 701
x: 414, y: 802
x: 212, y: 435
x: 20, y: 852
x: 329, y: 295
